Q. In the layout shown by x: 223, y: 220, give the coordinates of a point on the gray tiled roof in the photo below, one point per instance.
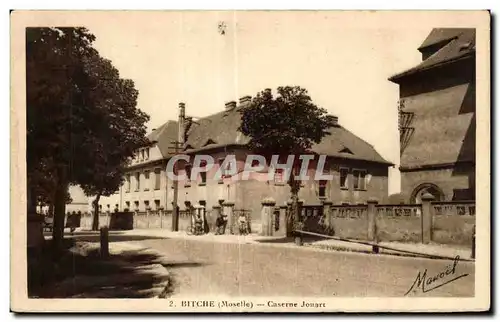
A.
x: 221, y: 129
x: 456, y: 43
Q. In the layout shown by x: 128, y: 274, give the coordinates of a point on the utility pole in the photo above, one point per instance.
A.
x: 177, y: 145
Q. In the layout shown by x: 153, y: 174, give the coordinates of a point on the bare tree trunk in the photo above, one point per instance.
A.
x: 95, y: 219
x: 52, y: 199
x: 59, y: 210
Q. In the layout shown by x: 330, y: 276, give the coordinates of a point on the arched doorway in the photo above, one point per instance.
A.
x: 418, y: 192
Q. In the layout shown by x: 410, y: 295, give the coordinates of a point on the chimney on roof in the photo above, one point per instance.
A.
x: 230, y: 105
x: 182, y: 115
x: 335, y: 120
x: 182, y: 110
x: 244, y: 100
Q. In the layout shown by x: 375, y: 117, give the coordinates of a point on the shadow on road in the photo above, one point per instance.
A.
x: 114, y: 236
x: 78, y: 271
x: 288, y: 240
x: 183, y: 264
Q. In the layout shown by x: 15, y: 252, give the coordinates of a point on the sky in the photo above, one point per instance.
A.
x: 343, y: 60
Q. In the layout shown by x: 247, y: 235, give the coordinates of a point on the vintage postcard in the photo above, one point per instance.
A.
x: 250, y: 161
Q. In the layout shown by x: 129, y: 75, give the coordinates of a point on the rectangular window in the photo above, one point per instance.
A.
x: 344, y: 184
x: 322, y: 189
x: 157, y: 179
x: 222, y: 170
x: 146, y: 179
x: 359, y: 177
x: 203, y: 174
x: 127, y: 205
x: 127, y: 183
x: 137, y: 181
x: 157, y: 204
x: 188, y: 168
x: 278, y: 176
x: 136, y: 203
x: 147, y: 153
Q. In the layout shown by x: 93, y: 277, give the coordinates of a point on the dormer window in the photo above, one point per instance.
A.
x: 209, y: 141
x: 345, y: 150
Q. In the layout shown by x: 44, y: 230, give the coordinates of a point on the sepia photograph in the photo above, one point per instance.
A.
x: 250, y: 161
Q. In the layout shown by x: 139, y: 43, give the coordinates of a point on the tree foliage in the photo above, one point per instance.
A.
x: 82, y: 122
x: 288, y: 124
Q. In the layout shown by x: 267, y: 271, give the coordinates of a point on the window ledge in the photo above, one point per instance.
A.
x: 220, y: 182
x: 344, y: 188
x: 187, y: 185
x: 279, y: 184
x: 359, y: 189
x: 202, y: 184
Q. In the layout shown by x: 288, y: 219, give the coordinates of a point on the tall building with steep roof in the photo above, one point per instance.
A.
x: 359, y: 171
x: 437, y: 118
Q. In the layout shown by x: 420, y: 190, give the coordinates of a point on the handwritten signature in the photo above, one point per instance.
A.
x: 430, y: 283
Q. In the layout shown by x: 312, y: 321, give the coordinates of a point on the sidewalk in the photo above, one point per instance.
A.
x: 130, y: 271
x: 400, y: 249
x: 395, y: 248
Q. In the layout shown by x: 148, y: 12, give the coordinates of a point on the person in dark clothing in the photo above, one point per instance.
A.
x: 198, y: 225
x: 220, y: 224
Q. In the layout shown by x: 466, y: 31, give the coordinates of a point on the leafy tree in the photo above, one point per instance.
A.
x: 55, y: 105
x: 288, y: 124
x: 121, y: 131
x: 77, y: 108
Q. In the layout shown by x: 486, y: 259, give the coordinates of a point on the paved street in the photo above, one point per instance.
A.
x: 251, y: 270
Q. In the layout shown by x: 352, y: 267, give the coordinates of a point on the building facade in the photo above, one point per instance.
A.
x: 359, y: 172
x: 437, y: 118
x: 79, y: 202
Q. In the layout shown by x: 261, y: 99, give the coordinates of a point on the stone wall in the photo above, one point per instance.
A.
x: 438, y: 222
x: 393, y: 223
x: 350, y: 221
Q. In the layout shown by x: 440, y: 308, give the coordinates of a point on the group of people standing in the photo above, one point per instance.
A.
x: 221, y: 225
